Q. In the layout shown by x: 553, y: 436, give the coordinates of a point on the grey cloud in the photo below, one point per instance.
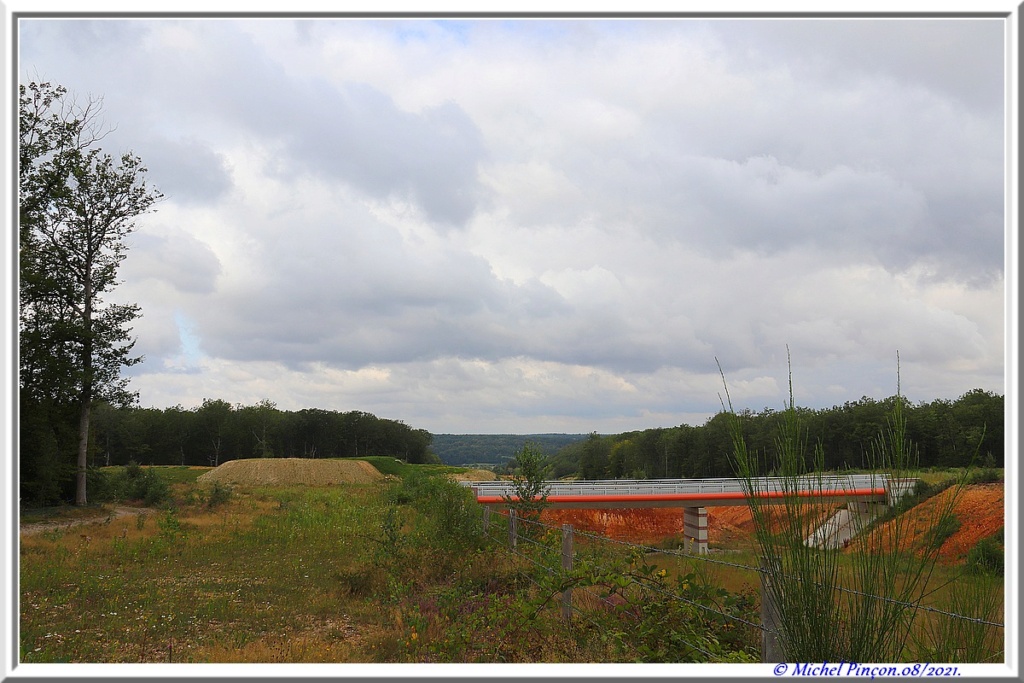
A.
x: 359, y: 135
x: 186, y: 171
x: 352, y: 132
x: 174, y: 257
x: 957, y: 57
x: 730, y: 202
x: 227, y: 86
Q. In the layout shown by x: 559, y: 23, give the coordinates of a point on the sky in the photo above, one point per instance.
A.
x: 540, y: 225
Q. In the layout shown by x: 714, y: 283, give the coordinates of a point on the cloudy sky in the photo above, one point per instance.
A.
x: 540, y: 225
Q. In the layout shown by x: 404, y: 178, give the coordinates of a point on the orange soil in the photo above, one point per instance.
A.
x: 636, y: 525
x: 979, y: 509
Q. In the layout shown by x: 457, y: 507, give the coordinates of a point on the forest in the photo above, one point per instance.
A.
x: 207, y: 435
x: 495, y: 449
x: 943, y: 433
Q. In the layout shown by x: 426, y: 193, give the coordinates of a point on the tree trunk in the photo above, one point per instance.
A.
x: 86, y: 396
x: 83, y: 451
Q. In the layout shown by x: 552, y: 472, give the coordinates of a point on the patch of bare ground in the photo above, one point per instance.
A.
x: 104, y: 517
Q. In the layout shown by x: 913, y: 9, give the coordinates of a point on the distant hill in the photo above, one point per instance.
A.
x: 494, y: 449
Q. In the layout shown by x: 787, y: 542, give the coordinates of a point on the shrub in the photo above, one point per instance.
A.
x: 988, y: 475
x: 133, y: 483
x: 452, y: 522
x: 528, y: 483
x: 987, y: 556
x: 219, y: 494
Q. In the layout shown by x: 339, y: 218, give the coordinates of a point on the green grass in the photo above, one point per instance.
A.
x: 172, y: 474
x: 400, y: 468
x: 395, y: 571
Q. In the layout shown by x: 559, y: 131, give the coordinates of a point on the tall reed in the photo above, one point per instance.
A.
x: 827, y: 599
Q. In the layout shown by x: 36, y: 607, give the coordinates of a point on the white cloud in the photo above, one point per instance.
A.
x: 554, y: 226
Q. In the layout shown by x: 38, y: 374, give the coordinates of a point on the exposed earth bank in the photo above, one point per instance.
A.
x: 978, y: 509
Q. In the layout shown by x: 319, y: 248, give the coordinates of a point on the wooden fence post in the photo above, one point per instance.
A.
x: 512, y: 528
x: 567, y: 554
x: 771, y: 644
x: 487, y: 517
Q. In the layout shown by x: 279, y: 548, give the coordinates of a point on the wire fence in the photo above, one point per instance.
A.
x: 535, y: 542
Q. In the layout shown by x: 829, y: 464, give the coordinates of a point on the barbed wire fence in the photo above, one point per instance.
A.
x: 531, y: 540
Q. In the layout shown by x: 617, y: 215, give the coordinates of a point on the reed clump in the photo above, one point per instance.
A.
x: 837, y: 604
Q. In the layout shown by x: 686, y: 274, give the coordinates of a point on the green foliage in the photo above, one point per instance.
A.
x: 624, y: 607
x: 970, y: 639
x: 214, y: 432
x: 987, y: 475
x: 987, y: 556
x: 77, y: 206
x: 529, y: 483
x: 431, y: 524
x: 170, y: 525
x: 218, y: 495
x: 947, y: 526
x: 131, y: 483
x: 946, y: 434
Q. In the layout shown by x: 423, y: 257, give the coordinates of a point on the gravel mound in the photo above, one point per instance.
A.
x: 289, y: 471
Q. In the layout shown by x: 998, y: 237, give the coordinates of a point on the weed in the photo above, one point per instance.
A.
x: 170, y: 525
x: 219, y: 495
x: 938, y: 534
x: 970, y: 638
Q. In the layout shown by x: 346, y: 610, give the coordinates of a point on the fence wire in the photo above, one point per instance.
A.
x: 699, y: 557
x: 581, y: 613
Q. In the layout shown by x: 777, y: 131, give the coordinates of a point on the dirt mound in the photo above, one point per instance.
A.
x: 287, y: 471
x: 474, y: 475
x: 978, y: 509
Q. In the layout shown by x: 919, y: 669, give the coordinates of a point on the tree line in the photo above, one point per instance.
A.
x: 217, y: 431
x: 944, y: 433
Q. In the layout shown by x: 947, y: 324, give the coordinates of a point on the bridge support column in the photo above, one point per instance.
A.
x: 695, y: 529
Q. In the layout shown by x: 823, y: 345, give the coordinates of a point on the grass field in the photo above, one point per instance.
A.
x: 393, y: 571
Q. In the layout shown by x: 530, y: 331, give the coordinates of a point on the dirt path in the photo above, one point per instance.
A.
x: 28, y: 529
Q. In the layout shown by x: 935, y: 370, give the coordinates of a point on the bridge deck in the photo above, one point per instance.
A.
x: 642, y: 493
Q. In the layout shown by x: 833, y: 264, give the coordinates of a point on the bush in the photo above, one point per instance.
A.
x: 136, y: 484
x: 219, y: 494
x: 988, y: 475
x: 986, y: 557
x: 453, y: 520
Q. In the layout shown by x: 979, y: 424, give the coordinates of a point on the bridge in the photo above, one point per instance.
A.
x: 863, y: 494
